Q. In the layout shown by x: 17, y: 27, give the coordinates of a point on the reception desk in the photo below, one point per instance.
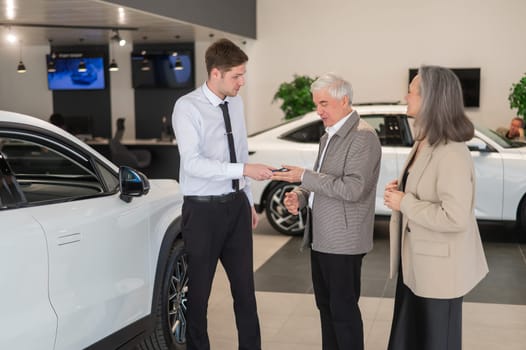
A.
x: 165, y: 155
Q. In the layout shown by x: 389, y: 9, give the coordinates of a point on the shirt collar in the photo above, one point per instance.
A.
x: 213, y: 98
x: 331, y: 130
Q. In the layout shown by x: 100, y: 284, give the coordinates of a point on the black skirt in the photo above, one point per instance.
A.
x: 425, y: 323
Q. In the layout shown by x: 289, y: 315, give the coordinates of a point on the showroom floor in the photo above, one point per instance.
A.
x: 494, y: 312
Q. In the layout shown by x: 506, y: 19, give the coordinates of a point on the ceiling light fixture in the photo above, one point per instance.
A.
x: 113, y: 67
x: 21, y: 66
x: 145, y: 64
x: 117, y: 38
x: 178, y: 64
x: 82, y: 65
x: 51, y: 68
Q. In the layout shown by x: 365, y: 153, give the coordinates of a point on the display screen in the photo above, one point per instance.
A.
x: 67, y: 76
x: 162, y: 71
x: 469, y: 80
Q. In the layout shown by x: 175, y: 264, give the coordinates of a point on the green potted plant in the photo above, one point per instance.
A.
x: 296, y: 96
x: 517, y: 97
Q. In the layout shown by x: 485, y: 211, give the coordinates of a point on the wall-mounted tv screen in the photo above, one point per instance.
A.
x: 162, y: 70
x: 68, y: 77
x: 469, y: 80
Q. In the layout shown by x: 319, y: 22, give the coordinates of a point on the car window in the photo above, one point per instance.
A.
x: 310, y: 133
x: 392, y: 130
x: 45, y: 174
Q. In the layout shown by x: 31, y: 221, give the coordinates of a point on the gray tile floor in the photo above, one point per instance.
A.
x: 288, y: 270
x: 494, y: 315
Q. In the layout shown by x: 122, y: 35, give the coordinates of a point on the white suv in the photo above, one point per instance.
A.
x: 500, y: 164
x: 91, y: 255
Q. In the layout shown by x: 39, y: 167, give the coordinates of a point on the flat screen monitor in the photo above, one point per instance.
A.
x: 469, y: 80
x: 68, y: 77
x: 162, y: 71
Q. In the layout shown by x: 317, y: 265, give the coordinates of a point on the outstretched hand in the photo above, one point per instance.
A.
x: 294, y: 174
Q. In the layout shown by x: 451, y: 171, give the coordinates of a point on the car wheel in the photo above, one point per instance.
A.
x: 278, y: 216
x: 170, y: 322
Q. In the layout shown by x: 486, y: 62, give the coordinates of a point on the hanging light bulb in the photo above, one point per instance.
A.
x: 113, y: 66
x: 21, y: 66
x: 82, y: 66
x: 178, y: 64
x: 51, y: 68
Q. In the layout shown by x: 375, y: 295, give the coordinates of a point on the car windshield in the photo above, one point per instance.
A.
x: 501, y: 140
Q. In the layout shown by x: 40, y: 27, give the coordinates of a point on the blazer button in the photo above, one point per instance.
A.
x: 408, y: 229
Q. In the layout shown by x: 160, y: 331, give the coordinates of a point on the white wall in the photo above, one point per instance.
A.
x: 27, y: 92
x: 121, y: 91
x: 373, y: 43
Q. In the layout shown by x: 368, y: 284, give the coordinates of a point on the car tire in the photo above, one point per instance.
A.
x: 170, y: 314
x: 278, y: 216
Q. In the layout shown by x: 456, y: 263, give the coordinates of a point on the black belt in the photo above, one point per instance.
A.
x: 222, y: 198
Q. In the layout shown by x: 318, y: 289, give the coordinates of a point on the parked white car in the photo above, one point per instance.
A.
x: 91, y: 255
x: 500, y: 164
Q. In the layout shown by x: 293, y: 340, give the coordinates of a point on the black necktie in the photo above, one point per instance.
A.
x: 230, y: 137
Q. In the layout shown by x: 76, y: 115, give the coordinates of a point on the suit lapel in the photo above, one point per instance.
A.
x: 323, y: 141
x: 419, y: 165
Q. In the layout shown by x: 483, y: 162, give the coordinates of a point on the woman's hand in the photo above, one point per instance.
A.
x: 392, y: 196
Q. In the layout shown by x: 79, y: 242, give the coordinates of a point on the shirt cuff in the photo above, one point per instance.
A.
x: 235, y: 170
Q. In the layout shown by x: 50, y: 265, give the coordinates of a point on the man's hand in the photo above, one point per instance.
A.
x: 291, y: 202
x: 293, y: 174
x: 258, y: 171
x: 255, y: 218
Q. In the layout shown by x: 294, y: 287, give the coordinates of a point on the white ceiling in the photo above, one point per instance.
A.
x: 91, y: 13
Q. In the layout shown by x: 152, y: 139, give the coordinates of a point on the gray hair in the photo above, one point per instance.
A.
x: 442, y: 117
x: 336, y: 86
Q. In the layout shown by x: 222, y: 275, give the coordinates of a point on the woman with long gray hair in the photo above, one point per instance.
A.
x: 435, y: 243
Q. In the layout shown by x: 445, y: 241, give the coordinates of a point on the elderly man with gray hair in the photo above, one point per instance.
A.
x: 340, y: 194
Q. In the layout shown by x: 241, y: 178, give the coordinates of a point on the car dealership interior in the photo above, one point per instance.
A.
x: 113, y: 70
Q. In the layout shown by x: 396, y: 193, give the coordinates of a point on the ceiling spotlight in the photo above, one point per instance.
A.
x: 11, y: 38
x: 113, y: 66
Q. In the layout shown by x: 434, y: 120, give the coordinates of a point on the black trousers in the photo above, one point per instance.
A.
x: 336, y: 281
x: 425, y: 323
x: 215, y: 231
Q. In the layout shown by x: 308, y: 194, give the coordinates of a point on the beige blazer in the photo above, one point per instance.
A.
x: 442, y: 254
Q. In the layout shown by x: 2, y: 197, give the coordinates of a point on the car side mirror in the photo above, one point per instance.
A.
x: 476, y: 144
x: 132, y: 183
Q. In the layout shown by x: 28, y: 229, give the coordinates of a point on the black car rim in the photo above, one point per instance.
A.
x: 177, y: 300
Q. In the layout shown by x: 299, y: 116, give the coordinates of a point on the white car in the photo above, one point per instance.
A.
x: 500, y: 164
x: 91, y: 256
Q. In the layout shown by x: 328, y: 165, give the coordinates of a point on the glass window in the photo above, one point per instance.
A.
x: 46, y: 174
x: 310, y: 133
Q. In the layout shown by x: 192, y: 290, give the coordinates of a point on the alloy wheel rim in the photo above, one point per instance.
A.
x: 280, y: 214
x: 177, y: 300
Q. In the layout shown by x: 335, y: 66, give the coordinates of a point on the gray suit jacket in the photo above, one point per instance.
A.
x: 345, y: 190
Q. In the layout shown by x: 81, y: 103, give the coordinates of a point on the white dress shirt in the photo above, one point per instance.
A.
x: 203, y: 145
x: 331, y: 130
